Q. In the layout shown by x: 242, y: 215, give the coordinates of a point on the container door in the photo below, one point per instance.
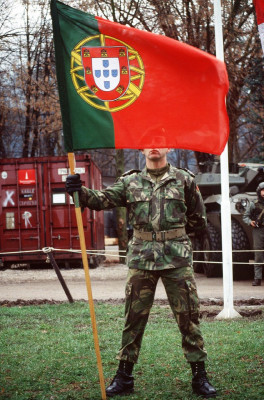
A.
x: 62, y: 223
x: 20, y: 208
x: 29, y: 208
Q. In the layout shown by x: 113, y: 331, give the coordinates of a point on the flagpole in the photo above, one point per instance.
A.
x: 78, y: 214
x: 228, y: 310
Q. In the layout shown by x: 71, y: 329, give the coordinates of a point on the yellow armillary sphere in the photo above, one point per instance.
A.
x: 88, y: 93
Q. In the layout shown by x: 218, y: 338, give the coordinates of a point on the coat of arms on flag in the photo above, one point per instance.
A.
x: 107, y: 71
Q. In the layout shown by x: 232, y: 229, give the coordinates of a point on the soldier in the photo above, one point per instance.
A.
x: 254, y: 216
x: 164, y: 204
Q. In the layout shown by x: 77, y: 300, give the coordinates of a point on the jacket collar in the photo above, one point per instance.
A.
x: 170, y: 174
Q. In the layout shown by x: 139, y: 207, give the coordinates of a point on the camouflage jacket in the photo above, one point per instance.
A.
x: 253, y: 211
x: 174, y: 202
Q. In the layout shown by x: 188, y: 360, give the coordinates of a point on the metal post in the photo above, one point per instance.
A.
x: 48, y: 251
x: 228, y: 310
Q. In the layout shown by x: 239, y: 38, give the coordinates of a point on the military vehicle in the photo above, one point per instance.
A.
x: 243, y: 181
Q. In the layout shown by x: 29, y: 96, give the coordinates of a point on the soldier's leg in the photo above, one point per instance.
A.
x: 181, y: 290
x: 258, y: 239
x: 140, y: 291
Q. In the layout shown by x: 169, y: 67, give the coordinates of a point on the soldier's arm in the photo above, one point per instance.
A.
x: 196, y: 212
x: 248, y: 213
x: 113, y: 196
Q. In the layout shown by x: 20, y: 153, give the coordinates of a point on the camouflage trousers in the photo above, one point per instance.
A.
x: 258, y: 240
x: 181, y: 290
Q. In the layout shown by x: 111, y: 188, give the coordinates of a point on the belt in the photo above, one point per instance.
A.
x: 159, y: 236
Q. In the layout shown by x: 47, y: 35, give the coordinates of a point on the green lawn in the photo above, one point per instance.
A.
x: 47, y: 353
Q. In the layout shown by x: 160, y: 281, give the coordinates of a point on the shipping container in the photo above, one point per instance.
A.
x: 36, y: 212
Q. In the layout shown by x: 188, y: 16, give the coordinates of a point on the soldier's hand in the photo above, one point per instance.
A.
x: 73, y: 184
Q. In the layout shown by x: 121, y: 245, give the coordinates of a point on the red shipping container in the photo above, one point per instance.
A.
x: 36, y: 212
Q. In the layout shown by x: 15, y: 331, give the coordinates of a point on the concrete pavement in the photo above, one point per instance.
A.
x: 108, y: 282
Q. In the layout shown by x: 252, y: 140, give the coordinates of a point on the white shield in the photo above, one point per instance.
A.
x: 106, y: 73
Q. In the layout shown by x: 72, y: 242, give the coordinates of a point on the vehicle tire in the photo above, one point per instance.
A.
x: 240, y: 242
x: 212, y: 241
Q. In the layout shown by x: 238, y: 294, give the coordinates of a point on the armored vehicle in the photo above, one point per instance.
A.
x: 243, y: 181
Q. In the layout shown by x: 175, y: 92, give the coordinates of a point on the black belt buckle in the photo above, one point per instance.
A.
x: 153, y: 235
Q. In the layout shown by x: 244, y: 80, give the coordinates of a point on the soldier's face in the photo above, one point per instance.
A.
x: 262, y: 193
x: 155, y: 154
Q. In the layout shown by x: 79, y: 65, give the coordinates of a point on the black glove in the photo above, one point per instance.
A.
x: 73, y: 184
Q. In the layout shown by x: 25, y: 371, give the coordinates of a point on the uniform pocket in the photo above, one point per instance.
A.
x: 178, y: 252
x: 138, y: 202
x: 174, y: 205
x: 128, y: 294
x: 193, y: 300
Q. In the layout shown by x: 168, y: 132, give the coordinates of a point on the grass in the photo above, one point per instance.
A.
x: 47, y: 353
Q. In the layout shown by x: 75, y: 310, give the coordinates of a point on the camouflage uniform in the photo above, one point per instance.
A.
x: 172, y: 203
x: 251, y: 214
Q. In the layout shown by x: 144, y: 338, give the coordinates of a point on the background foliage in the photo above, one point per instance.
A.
x: 30, y: 123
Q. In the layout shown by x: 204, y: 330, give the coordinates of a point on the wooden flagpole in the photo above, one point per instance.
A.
x: 71, y: 159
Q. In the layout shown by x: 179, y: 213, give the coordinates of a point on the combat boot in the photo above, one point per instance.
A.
x: 123, y: 382
x: 200, y: 384
x: 256, y: 282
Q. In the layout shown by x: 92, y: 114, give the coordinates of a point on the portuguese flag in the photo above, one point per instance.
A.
x: 121, y: 87
x: 259, y: 6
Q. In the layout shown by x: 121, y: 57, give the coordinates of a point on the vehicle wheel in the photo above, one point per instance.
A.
x: 212, y: 241
x: 240, y: 242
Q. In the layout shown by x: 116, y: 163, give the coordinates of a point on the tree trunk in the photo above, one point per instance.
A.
x: 121, y: 220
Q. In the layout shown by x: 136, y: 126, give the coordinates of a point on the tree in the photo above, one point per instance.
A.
x: 38, y: 85
x: 8, y: 34
x: 191, y: 21
x: 242, y: 54
x: 252, y: 130
x: 32, y: 113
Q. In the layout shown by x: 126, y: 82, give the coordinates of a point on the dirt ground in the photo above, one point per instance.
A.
x: 37, y: 286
